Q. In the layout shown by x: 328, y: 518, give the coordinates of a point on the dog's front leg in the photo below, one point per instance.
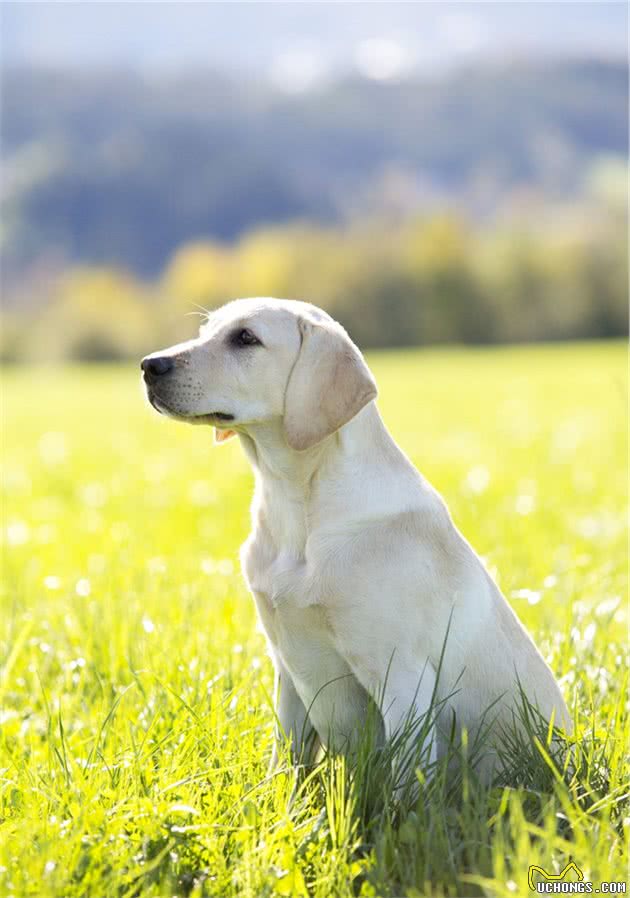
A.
x: 292, y: 723
x: 407, y: 714
x: 405, y: 695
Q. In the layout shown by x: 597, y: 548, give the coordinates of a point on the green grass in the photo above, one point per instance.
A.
x: 136, y: 713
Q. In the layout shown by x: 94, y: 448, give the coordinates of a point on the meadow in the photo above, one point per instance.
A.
x: 136, y: 707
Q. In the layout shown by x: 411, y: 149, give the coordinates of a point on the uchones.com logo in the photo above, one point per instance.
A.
x: 569, y: 881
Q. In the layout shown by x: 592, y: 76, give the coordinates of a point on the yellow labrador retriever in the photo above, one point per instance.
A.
x: 364, y: 586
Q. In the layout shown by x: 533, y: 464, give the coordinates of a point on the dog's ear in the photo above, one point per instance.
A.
x: 220, y: 436
x: 329, y: 384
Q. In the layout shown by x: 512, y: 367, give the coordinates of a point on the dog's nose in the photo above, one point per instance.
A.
x: 155, y: 367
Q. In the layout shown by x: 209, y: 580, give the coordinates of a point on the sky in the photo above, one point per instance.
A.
x: 297, y: 45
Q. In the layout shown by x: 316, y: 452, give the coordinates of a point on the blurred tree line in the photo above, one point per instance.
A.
x: 485, y: 206
x: 120, y: 168
x: 428, y: 280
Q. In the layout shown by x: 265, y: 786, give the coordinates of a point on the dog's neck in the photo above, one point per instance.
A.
x: 275, y: 462
x: 292, y: 483
x: 272, y: 458
x: 284, y: 481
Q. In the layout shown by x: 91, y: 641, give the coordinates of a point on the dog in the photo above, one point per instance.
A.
x: 366, y: 591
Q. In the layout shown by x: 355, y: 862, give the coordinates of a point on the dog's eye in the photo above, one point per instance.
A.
x: 244, y: 337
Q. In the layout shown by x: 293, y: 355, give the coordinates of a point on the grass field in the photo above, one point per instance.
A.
x: 136, y: 712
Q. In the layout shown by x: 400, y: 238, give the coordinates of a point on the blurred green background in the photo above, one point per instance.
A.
x: 429, y: 173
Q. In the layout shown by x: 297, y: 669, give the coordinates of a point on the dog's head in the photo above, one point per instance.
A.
x: 256, y: 360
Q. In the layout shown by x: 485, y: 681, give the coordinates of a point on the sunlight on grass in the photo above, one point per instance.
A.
x: 136, y: 711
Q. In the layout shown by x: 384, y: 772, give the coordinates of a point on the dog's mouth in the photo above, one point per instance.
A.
x: 214, y: 418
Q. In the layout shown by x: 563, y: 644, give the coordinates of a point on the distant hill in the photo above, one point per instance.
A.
x: 111, y: 167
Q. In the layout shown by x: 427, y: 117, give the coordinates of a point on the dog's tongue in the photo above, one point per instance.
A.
x: 220, y: 436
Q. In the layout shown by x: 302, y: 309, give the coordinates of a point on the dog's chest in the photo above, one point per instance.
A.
x: 297, y: 629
